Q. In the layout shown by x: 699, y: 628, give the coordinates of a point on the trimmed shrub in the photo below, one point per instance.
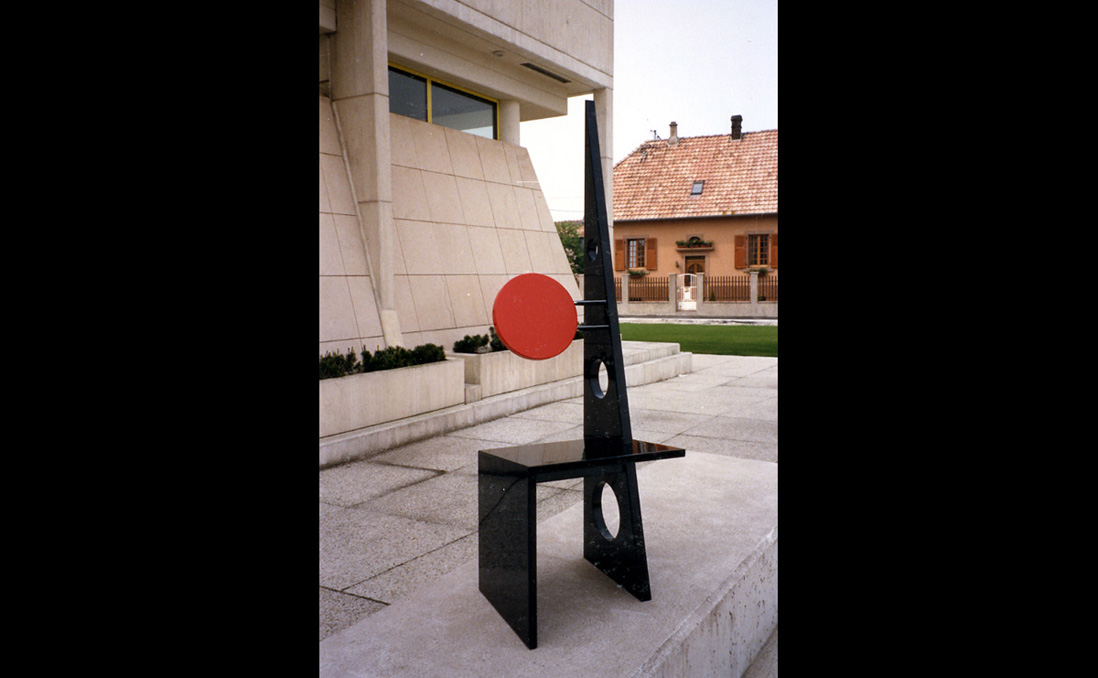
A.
x: 470, y: 343
x: 336, y: 365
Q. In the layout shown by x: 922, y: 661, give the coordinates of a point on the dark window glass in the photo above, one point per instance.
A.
x: 407, y: 95
x: 461, y: 111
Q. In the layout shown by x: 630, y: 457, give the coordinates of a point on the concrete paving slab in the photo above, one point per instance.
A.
x: 565, y: 411
x: 449, y: 499
x: 728, y: 448
x: 737, y: 428
x: 441, y: 453
x: 357, y: 482
x: 339, y: 610
x: 694, y: 381
x: 734, y: 365
x: 356, y: 544
x: 396, y: 583
x: 664, y: 421
x: 513, y: 430
x: 571, y: 433
x: 711, y: 529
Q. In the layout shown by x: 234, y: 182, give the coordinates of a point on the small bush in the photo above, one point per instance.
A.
x: 470, y: 343
x: 390, y: 359
x: 428, y: 353
x: 336, y: 365
x: 496, y: 342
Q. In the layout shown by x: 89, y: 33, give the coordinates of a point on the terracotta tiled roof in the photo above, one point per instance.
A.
x: 741, y: 177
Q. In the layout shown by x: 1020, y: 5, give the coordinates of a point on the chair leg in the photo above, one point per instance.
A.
x: 507, y: 550
x: 622, y: 557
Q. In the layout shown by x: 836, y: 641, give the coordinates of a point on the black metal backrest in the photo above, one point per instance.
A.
x: 606, y: 428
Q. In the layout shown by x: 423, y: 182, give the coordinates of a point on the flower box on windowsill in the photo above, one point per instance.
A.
x: 694, y: 248
x: 638, y: 272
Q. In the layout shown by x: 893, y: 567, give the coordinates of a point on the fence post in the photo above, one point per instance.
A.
x: 754, y: 293
x: 699, y: 291
x: 672, y: 296
x: 624, y: 295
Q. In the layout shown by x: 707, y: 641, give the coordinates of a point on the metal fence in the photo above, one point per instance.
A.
x: 768, y: 288
x: 654, y: 288
x: 727, y: 288
x: 648, y: 288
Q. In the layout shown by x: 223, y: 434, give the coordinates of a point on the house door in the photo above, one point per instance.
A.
x: 695, y: 264
x: 687, y: 288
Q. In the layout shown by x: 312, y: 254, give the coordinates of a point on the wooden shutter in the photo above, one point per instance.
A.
x: 773, y: 250
x: 619, y: 254
x: 650, y: 254
x: 741, y: 251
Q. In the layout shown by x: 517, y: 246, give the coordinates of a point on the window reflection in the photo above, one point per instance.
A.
x: 461, y: 111
x: 409, y: 95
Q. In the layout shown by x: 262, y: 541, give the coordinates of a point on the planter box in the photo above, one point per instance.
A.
x: 503, y: 371
x: 361, y: 400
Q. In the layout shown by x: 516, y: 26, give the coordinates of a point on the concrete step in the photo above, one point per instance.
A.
x: 711, y: 533
x: 645, y: 363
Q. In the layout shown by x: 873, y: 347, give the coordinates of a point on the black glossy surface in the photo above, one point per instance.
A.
x: 556, y: 457
x: 605, y: 412
x: 507, y: 537
x: 607, y: 455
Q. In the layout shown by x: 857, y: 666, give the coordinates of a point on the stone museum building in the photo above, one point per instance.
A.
x: 428, y: 201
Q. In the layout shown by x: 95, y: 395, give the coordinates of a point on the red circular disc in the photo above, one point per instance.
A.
x: 535, y: 316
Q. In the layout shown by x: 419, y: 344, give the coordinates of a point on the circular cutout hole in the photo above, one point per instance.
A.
x: 598, y: 378
x: 607, y: 513
x: 592, y: 249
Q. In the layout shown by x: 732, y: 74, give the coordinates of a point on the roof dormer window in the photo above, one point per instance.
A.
x: 697, y: 188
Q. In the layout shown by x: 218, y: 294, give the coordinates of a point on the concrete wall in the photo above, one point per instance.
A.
x: 349, y: 315
x: 469, y: 216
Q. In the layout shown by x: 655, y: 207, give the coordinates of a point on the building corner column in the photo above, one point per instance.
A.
x: 509, y: 121
x: 604, y: 116
x: 360, y: 97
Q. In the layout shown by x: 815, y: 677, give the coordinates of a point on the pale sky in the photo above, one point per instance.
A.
x: 696, y: 62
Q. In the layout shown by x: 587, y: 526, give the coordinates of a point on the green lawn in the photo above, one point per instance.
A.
x: 760, y: 340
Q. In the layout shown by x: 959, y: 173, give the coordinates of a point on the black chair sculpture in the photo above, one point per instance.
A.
x: 532, y: 321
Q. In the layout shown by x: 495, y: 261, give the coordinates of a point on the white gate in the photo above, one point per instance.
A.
x: 687, y: 288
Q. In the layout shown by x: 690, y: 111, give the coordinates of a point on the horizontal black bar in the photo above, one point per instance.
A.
x: 593, y: 327
x: 590, y: 301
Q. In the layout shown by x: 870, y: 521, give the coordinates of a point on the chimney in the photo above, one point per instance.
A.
x: 736, y: 133
x: 674, y: 134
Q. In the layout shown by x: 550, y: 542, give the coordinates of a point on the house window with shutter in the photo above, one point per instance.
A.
x: 635, y: 253
x: 635, y: 250
x: 758, y: 250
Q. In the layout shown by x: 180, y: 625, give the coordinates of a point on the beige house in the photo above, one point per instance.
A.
x: 705, y: 204
x: 428, y: 201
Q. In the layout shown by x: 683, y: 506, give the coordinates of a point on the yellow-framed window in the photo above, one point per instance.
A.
x: 423, y: 98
